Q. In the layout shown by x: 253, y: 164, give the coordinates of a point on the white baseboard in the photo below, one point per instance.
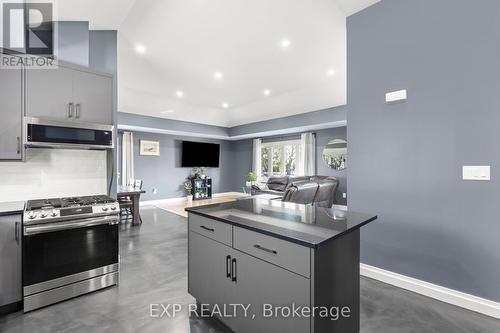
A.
x: 443, y: 294
x: 182, y: 199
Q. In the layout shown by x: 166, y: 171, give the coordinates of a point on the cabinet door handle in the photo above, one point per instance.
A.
x: 207, y: 228
x: 16, y: 232
x: 78, y: 108
x: 228, y: 267
x: 233, y: 270
x: 18, y: 145
x: 260, y: 247
x: 70, y: 110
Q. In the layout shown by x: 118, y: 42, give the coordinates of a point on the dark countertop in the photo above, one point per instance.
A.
x: 10, y: 208
x: 305, y: 225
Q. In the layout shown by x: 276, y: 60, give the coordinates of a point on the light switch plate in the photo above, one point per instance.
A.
x: 476, y: 172
x: 400, y: 95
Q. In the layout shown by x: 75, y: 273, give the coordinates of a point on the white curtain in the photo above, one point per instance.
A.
x: 307, y: 161
x: 256, y: 164
x: 127, y: 157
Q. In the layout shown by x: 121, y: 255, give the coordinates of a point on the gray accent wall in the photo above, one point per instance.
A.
x: 322, y: 139
x: 405, y: 159
x: 165, y: 173
x: 71, y: 42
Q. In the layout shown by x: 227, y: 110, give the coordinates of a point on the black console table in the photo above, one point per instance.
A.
x: 202, y: 188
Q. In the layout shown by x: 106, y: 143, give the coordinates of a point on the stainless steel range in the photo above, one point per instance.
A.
x: 70, y: 247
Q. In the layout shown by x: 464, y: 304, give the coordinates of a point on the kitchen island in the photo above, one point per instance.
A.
x: 270, y: 266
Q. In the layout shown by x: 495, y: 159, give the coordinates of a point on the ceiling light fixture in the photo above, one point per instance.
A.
x: 267, y: 92
x: 285, y: 43
x: 141, y: 49
x: 218, y: 75
x: 331, y: 72
x: 179, y: 93
x: 225, y: 105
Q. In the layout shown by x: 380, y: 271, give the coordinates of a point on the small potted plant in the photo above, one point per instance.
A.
x: 200, y: 172
x: 189, y: 195
x: 251, y: 179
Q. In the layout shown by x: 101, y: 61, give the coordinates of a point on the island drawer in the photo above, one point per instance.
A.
x: 293, y: 257
x: 218, y: 231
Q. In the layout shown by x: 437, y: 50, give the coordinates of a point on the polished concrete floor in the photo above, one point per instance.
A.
x: 154, y: 270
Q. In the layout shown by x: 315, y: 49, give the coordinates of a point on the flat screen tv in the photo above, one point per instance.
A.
x: 199, y: 154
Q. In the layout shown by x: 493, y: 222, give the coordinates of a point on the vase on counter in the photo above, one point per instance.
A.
x: 248, y: 184
x: 189, y: 198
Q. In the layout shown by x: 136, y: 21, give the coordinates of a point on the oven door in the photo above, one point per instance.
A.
x: 55, y: 134
x: 61, y: 249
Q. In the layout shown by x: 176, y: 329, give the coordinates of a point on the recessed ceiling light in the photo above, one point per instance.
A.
x: 179, y: 93
x: 218, y: 75
x: 331, y: 72
x: 225, y: 105
x: 139, y: 48
x: 167, y: 111
x: 267, y: 92
x: 285, y: 43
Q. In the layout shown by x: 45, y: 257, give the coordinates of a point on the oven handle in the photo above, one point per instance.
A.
x: 39, y: 229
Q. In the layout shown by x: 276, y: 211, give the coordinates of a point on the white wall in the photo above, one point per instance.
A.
x: 53, y: 173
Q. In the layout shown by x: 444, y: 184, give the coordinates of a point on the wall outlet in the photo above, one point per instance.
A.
x: 155, y: 191
x: 344, y: 195
x: 476, y: 172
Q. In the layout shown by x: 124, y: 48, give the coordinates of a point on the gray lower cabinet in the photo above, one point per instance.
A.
x: 10, y: 259
x: 207, y: 266
x: 230, y: 265
x: 11, y: 111
x: 265, y: 287
x: 67, y: 93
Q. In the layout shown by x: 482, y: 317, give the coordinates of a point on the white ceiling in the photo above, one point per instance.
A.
x: 187, y: 41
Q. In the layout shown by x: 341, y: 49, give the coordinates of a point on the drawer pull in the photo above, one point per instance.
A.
x: 207, y: 228
x: 260, y: 247
x: 228, y: 267
x: 233, y: 271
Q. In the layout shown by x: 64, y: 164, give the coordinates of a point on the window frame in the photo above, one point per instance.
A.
x: 280, y: 145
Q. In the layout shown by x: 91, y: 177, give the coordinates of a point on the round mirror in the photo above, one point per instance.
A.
x: 335, y: 154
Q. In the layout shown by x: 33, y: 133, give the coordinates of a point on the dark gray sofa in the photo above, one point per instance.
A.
x: 317, y: 190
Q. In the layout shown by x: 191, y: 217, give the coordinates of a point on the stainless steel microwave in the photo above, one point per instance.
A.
x: 45, y: 133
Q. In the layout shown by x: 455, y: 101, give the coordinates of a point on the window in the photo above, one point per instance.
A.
x: 280, y: 158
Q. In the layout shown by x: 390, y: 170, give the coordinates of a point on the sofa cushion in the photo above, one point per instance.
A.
x: 277, y: 183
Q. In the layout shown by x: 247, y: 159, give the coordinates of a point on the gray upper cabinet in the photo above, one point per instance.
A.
x: 92, y: 95
x: 11, y: 110
x: 49, y: 93
x: 10, y: 259
x: 69, y: 94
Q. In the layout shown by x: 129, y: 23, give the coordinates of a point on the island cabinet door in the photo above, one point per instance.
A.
x: 271, y: 292
x: 208, y: 279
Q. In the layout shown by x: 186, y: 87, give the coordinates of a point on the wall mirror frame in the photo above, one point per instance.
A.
x: 335, y: 154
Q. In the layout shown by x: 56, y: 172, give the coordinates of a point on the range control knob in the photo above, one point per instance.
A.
x: 113, y: 207
x: 104, y: 209
x: 53, y: 213
x: 43, y: 214
x: 31, y: 215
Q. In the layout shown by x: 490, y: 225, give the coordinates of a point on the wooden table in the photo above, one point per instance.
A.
x: 135, y: 195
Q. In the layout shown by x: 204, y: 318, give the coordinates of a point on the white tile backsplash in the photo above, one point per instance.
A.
x: 51, y: 173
